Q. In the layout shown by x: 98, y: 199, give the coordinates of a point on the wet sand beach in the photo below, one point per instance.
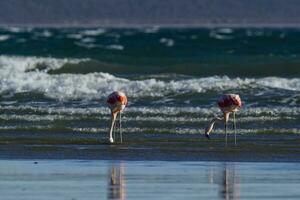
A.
x: 266, y: 147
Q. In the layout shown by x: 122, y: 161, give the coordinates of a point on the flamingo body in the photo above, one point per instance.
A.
x: 116, y: 102
x: 230, y: 103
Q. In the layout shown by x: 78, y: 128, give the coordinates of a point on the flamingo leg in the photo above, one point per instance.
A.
x: 226, y: 118
x: 114, y: 130
x: 225, y: 127
x: 234, y: 126
x: 120, y: 125
x: 113, y: 119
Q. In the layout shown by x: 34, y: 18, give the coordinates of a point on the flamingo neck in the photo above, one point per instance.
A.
x: 226, y: 116
x: 210, y: 126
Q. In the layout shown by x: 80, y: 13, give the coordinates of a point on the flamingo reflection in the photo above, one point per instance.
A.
x: 116, y: 182
x: 229, y: 186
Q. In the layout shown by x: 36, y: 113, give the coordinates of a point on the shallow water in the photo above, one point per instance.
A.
x: 80, y: 179
x: 57, y: 80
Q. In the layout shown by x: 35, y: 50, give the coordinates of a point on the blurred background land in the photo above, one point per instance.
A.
x: 282, y: 13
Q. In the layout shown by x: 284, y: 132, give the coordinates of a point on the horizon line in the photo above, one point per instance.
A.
x: 152, y: 25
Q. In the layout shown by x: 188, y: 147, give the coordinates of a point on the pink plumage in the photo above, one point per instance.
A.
x: 116, y: 101
x: 230, y: 102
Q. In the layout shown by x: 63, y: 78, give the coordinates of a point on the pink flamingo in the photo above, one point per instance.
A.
x: 116, y: 102
x: 228, y: 103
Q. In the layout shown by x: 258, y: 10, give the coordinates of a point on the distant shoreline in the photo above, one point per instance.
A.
x: 150, y: 25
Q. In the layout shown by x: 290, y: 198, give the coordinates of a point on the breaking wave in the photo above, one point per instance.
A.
x: 31, y: 74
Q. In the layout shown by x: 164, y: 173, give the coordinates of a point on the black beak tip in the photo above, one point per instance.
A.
x: 207, y: 136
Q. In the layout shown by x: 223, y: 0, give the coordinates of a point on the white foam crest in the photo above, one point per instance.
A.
x: 159, y: 88
x: 143, y: 130
x: 14, y: 78
x: 221, y: 34
x: 156, y: 119
x: 169, y: 111
x: 57, y: 110
x: 153, y: 29
x: 19, y: 64
x: 88, y: 45
x: 115, y: 47
x: 196, y: 120
x: 45, y: 33
x: 36, y: 118
x: 103, y: 110
x: 93, y: 85
x: 271, y: 111
x: 87, y: 40
x: 198, y: 131
x: 4, y: 37
x: 167, y: 41
x: 93, y: 32
x: 280, y: 83
x: 74, y: 36
x: 63, y: 86
x: 248, y: 113
x: 259, y: 113
x: 225, y: 30
x: 14, y: 29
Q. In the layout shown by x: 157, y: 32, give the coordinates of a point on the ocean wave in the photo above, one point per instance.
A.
x: 153, y: 29
x: 199, y: 131
x: 74, y: 36
x: 21, y: 64
x: 14, y: 29
x: 87, y: 45
x: 36, y: 118
x: 17, y: 75
x: 167, y: 41
x: 222, y: 34
x: 280, y: 83
x: 44, y: 33
x: 144, y: 119
x: 140, y: 118
x: 87, y: 40
x: 269, y: 113
x: 115, y: 47
x: 146, y: 130
x: 30, y: 74
x: 225, y: 30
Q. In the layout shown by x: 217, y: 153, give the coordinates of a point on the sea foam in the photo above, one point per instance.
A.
x: 4, y: 37
x: 93, y: 32
x: 29, y: 74
x: 279, y: 112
